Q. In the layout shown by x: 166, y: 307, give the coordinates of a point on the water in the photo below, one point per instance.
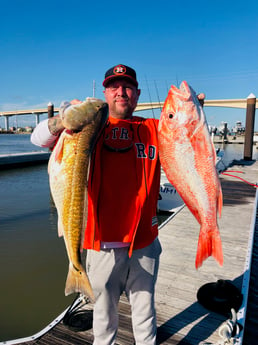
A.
x: 235, y: 152
x: 33, y: 260
x: 16, y: 143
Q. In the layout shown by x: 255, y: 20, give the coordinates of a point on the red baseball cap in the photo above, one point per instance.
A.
x: 120, y: 71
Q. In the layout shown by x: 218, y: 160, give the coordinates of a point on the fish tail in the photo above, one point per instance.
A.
x: 209, y: 244
x: 78, y: 281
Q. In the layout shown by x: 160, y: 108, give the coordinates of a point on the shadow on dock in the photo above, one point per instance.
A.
x: 189, y: 316
x: 241, y: 162
x: 232, y: 190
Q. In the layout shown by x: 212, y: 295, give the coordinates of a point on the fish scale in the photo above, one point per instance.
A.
x: 75, y: 192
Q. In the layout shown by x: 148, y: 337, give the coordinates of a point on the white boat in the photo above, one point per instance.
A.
x: 238, y: 128
x: 169, y: 199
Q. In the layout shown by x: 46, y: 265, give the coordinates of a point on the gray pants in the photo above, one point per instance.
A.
x: 111, y: 272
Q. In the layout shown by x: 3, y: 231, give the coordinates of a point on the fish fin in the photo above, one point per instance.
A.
x: 214, y: 152
x: 59, y: 154
x: 78, y: 281
x: 220, y: 202
x: 209, y: 244
x: 58, y: 150
x: 60, y: 228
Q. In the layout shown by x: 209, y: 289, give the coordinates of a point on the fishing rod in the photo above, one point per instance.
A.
x: 157, y: 92
x: 153, y: 115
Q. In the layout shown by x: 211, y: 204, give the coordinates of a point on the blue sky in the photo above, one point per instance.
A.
x: 53, y: 50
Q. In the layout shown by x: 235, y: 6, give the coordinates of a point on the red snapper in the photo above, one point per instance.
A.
x: 188, y: 157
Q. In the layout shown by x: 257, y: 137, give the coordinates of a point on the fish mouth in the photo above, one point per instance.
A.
x: 76, y: 117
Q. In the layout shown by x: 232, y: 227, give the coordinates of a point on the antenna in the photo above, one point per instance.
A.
x: 93, y: 89
x: 157, y: 94
x: 150, y: 97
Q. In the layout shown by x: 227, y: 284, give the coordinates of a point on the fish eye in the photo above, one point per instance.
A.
x: 170, y: 116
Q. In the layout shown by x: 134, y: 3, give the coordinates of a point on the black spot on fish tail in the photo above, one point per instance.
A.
x: 77, y: 269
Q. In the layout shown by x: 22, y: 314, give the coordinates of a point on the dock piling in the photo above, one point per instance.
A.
x: 50, y: 109
x: 225, y: 133
x: 249, y: 127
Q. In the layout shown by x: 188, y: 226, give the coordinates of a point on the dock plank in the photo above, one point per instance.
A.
x: 179, y: 242
x: 16, y: 160
x: 181, y: 319
x: 251, y: 329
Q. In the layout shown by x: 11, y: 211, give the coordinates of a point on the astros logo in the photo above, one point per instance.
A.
x: 120, y: 69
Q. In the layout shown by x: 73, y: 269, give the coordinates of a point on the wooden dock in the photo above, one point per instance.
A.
x: 181, y: 319
x: 233, y: 139
x: 15, y: 160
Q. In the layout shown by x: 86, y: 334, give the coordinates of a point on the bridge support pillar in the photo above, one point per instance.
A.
x: 37, y: 119
x: 6, y: 121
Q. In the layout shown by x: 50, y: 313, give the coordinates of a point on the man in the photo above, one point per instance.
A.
x: 121, y: 235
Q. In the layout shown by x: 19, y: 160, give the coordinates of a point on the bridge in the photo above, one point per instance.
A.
x: 226, y: 103
x: 50, y: 110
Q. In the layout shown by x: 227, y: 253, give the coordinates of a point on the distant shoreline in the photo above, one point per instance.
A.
x: 217, y: 139
x: 233, y: 139
x: 10, y: 132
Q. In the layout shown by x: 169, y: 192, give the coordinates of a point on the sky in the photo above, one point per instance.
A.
x: 52, y: 51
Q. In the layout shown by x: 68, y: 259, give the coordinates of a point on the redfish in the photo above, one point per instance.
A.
x: 68, y: 168
x: 188, y: 157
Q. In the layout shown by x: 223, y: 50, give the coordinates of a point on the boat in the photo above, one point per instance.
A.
x: 238, y: 128
x: 169, y: 199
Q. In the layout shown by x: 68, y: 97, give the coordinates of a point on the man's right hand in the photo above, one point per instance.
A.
x: 55, y: 125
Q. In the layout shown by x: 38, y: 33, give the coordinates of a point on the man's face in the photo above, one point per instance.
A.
x: 121, y: 97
